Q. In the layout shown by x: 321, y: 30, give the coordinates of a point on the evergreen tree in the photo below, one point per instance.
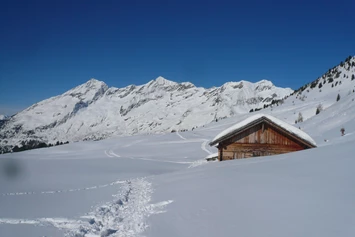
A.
x: 300, y: 118
x: 338, y: 97
x: 319, y: 108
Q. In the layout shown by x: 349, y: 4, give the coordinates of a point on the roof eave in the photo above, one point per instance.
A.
x: 227, y: 136
x: 255, y: 122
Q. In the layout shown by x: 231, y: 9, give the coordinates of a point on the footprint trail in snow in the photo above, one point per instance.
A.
x: 124, y: 216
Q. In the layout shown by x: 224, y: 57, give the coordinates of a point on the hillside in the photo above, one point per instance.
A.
x: 160, y: 185
x: 337, y: 84
x: 93, y: 111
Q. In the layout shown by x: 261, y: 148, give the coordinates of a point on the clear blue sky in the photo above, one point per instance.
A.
x: 48, y: 47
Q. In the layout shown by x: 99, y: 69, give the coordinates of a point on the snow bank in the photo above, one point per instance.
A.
x: 290, y: 195
x: 212, y: 155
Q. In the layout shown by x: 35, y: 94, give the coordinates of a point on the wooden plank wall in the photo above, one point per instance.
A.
x: 260, y: 140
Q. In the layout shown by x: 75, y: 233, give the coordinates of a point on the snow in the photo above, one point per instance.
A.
x: 2, y: 117
x: 212, y: 155
x: 161, y: 185
x: 167, y: 188
x: 246, y: 122
x: 287, y: 195
x: 94, y: 111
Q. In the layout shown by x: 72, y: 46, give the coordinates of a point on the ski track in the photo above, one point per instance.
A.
x: 64, y: 190
x: 164, y: 161
x: 193, y: 164
x: 124, y: 216
x: 177, y: 142
x: 179, y: 135
x: 113, y: 154
x: 133, y: 143
x: 107, y: 154
x: 110, y: 153
x: 203, y: 147
x: 201, y: 161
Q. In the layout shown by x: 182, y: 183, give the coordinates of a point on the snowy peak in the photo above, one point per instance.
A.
x: 91, y: 90
x: 162, y: 81
x: 259, y: 86
x: 254, y: 93
x: 94, y: 111
x: 232, y: 85
x: 92, y: 84
x: 264, y: 85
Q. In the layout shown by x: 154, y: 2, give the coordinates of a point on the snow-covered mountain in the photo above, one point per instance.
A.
x: 161, y: 185
x: 2, y: 117
x: 337, y: 84
x: 95, y: 111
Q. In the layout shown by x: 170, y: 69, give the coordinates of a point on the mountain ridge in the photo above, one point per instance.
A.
x: 93, y: 110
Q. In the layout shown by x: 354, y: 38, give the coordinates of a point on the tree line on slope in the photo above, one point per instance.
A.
x: 29, y: 145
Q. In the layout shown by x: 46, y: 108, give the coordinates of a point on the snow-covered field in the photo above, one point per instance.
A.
x: 160, y: 185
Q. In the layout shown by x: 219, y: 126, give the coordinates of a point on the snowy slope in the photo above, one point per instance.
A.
x: 306, y: 193
x: 165, y: 188
x: 94, y: 111
x: 339, y: 80
x: 2, y: 117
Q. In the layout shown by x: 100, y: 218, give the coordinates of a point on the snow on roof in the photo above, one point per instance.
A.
x: 288, y: 127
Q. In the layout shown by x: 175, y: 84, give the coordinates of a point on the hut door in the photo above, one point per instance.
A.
x: 235, y: 155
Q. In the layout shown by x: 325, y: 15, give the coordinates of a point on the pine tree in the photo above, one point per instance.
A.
x: 338, y: 97
x: 300, y: 118
x: 319, y: 108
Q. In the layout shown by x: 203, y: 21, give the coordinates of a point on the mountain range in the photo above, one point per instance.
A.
x: 94, y: 111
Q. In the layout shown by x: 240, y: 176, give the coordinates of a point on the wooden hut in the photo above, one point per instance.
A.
x: 260, y: 135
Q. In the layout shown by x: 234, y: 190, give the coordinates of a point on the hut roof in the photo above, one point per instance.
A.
x: 258, y: 118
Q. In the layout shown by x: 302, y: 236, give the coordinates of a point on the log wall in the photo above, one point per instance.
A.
x: 260, y: 140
